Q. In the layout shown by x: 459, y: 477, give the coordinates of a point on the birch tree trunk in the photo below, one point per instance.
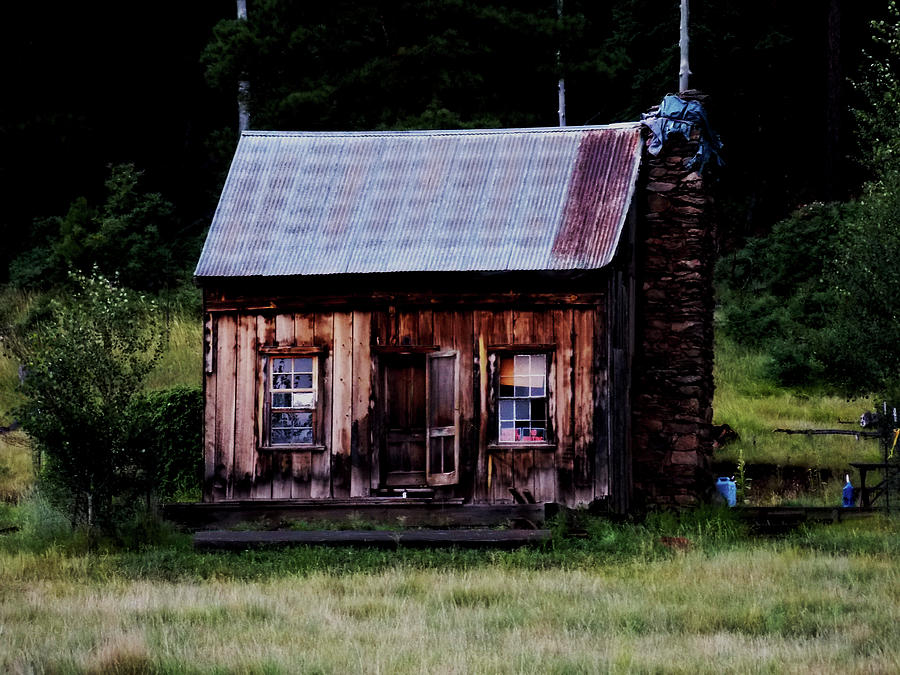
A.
x: 684, y: 69
x: 243, y: 85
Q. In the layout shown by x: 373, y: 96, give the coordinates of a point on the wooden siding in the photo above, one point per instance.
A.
x: 345, y: 460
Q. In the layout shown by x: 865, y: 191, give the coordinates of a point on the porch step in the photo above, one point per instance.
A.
x: 507, y: 539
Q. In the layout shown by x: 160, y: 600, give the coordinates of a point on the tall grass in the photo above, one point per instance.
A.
x: 16, y: 474
x: 822, y: 601
x: 754, y: 406
x: 182, y: 362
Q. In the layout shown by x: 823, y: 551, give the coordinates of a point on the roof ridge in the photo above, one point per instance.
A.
x: 441, y: 132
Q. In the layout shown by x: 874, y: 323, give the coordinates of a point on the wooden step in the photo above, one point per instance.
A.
x: 242, y: 540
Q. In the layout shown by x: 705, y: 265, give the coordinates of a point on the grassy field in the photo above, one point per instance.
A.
x: 820, y: 601
x: 754, y: 406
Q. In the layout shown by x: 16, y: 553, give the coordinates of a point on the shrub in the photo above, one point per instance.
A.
x: 167, y: 440
x: 86, y: 355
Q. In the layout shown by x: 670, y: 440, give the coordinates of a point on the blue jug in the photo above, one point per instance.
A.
x: 728, y: 489
x: 848, y: 493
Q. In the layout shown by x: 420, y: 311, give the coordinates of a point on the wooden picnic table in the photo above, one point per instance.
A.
x: 869, y: 494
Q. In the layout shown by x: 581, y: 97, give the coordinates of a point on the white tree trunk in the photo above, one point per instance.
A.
x: 561, y: 87
x: 684, y: 69
x: 243, y: 85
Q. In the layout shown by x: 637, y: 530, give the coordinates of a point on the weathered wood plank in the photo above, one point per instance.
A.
x: 304, y: 328
x: 493, y: 328
x: 245, y: 407
x: 360, y: 441
x: 381, y: 331
x: 320, y: 462
x: 562, y: 401
x: 601, y: 407
x: 301, y: 462
x: 378, y: 299
x: 583, y: 405
x: 342, y: 404
x: 225, y: 403
x: 523, y: 469
x: 426, y: 326
x: 301, y: 470
x: 408, y: 328
x: 523, y: 327
x: 284, y: 330
x: 544, y: 471
x: 282, y: 471
x: 209, y: 412
x: 262, y: 478
x: 231, y: 540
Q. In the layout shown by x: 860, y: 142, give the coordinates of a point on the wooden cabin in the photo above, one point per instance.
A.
x: 458, y: 315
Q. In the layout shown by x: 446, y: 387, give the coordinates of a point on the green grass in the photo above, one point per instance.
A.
x: 824, y: 600
x: 182, y: 362
x: 16, y: 474
x: 754, y: 406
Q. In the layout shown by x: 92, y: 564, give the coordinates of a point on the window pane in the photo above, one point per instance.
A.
x: 522, y: 364
x: 304, y: 400
x: 303, y: 365
x: 281, y: 382
x: 538, y: 364
x: 507, y: 432
x: 301, y: 436
x: 280, y: 436
x: 281, y: 400
x: 507, y: 410
x: 303, y: 381
x: 537, y: 409
x: 299, y: 419
x: 507, y: 390
x: 506, y: 369
x: 281, y: 365
x: 523, y: 410
x: 537, y: 386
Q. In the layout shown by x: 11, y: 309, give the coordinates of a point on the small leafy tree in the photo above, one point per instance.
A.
x: 86, y: 355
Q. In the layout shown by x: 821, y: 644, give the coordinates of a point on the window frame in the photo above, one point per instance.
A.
x: 495, y: 354
x: 266, y: 357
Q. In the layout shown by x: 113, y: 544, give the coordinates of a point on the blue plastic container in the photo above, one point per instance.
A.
x: 728, y: 489
x: 848, y: 494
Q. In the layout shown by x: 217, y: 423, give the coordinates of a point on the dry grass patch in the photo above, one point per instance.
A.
x: 763, y: 609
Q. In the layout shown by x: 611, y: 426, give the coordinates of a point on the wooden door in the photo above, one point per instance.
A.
x: 403, y: 384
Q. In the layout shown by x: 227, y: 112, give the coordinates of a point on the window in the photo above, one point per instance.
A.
x: 292, y: 400
x: 522, y: 399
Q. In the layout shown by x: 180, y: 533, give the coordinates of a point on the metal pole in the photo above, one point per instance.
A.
x: 561, y: 86
x: 684, y: 68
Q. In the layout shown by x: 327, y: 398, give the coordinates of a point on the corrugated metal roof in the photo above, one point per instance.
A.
x: 299, y: 203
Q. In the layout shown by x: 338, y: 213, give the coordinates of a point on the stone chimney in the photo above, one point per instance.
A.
x: 673, y: 360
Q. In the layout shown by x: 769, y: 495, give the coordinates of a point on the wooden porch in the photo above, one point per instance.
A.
x: 409, y: 512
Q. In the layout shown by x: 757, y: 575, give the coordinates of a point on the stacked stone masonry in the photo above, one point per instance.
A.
x: 673, y: 379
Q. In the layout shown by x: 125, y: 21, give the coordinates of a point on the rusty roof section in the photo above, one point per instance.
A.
x: 297, y: 203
